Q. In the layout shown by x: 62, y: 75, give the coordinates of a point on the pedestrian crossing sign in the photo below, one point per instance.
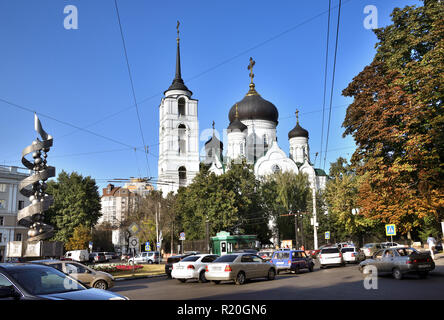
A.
x: 390, y: 230
x: 327, y: 235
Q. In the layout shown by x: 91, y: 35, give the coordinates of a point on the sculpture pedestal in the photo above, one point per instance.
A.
x: 34, y: 249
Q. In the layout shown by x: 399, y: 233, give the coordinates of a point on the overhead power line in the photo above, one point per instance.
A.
x: 132, y: 86
x: 325, y: 82
x: 332, y: 82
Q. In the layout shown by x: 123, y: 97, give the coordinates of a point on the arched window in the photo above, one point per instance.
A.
x: 265, y: 144
x: 181, y: 106
x: 182, y: 138
x: 182, y: 176
x: 275, y: 168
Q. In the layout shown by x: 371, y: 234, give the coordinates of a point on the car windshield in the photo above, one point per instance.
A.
x: 226, y: 258
x: 330, y: 250
x: 191, y: 258
x: 44, y: 280
x: 347, y: 250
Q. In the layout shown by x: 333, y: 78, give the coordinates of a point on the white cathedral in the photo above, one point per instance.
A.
x: 251, y: 134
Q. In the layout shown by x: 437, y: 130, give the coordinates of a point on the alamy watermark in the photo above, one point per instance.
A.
x: 370, y: 277
x: 71, y: 21
x: 371, y: 20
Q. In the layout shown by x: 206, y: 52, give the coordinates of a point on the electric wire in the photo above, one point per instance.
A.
x: 332, y: 82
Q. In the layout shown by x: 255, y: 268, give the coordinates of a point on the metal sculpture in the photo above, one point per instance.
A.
x: 32, y: 216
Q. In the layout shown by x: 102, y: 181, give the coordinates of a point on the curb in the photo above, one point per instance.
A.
x: 140, y: 277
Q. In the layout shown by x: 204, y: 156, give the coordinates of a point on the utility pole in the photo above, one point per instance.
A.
x: 296, y: 230
x: 207, y: 234
x: 315, y: 223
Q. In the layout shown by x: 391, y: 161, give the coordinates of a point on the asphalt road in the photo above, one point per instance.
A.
x: 335, y: 283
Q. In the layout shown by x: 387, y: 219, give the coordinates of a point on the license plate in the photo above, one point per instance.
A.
x: 216, y: 268
x: 179, y: 267
x: 280, y: 262
x: 423, y: 266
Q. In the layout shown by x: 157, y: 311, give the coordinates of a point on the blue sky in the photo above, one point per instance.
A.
x: 79, y: 77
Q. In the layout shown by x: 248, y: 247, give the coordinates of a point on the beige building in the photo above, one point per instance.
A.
x: 11, y: 200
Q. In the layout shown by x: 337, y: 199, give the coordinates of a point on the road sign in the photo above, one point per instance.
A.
x: 133, y: 242
x: 133, y: 228
x: 327, y: 235
x: 390, y: 230
x: 182, y: 236
x: 147, y: 246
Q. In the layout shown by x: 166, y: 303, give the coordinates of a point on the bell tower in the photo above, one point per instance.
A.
x: 178, y: 160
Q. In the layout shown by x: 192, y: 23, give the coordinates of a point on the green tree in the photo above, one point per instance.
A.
x: 80, y: 239
x: 76, y: 203
x: 397, y: 121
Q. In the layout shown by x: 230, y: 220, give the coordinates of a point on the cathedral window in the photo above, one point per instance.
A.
x: 265, y: 144
x: 182, y: 176
x: 182, y: 139
x: 181, y: 106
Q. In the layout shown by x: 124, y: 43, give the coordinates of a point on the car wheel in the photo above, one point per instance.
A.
x: 310, y: 267
x: 182, y: 280
x: 240, y: 279
x: 150, y: 262
x: 100, y: 284
x: 296, y: 270
x: 397, y: 274
x: 215, y: 281
x: 322, y: 266
x: 271, y: 274
x: 202, y: 278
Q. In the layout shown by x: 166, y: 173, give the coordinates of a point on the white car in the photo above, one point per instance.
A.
x: 146, y: 257
x: 392, y: 245
x: 192, y: 267
x: 330, y: 256
x: 351, y: 254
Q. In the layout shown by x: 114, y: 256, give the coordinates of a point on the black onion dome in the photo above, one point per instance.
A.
x: 298, y: 131
x: 256, y: 108
x: 236, y: 125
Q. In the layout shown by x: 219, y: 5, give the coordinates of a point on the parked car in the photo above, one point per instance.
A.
x: 266, y: 254
x: 341, y: 245
x: 239, y: 267
x: 399, y: 261
x: 390, y: 245
x: 99, y: 257
x: 251, y: 251
x: 87, y: 276
x: 370, y: 248
x: 31, y: 281
x: 330, y: 256
x: 192, y: 267
x: 314, y: 253
x: 438, y: 247
x: 352, y: 255
x: 149, y: 257
x: 292, y: 260
x: 77, y: 255
x: 173, y: 259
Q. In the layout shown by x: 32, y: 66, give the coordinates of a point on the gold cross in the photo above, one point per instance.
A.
x: 297, y: 115
x: 250, y: 67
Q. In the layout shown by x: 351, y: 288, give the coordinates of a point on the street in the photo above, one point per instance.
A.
x: 335, y: 283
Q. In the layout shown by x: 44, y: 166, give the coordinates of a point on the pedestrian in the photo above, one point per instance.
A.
x: 432, y: 243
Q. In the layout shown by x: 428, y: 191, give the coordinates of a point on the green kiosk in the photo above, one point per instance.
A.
x: 224, y: 243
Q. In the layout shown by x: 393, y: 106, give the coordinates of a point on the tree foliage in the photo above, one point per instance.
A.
x: 396, y: 119
x: 76, y: 203
x: 80, y: 239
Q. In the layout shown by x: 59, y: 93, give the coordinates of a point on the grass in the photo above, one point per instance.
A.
x: 147, y: 270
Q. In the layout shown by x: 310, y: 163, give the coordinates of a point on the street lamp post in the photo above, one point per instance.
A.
x: 315, y: 223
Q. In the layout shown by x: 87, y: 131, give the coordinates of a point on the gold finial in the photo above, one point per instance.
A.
x: 297, y: 115
x: 250, y: 67
x: 252, y: 90
x: 237, y: 112
x: 213, y: 124
x: 177, y: 27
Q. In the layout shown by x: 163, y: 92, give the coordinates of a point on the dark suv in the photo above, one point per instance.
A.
x: 174, y: 259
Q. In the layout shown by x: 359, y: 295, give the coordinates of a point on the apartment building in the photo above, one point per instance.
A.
x: 11, y: 200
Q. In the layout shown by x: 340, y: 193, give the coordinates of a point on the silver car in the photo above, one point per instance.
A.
x: 399, y: 261
x: 239, y: 267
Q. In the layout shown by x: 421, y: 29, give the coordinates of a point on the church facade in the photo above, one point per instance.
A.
x: 251, y: 135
